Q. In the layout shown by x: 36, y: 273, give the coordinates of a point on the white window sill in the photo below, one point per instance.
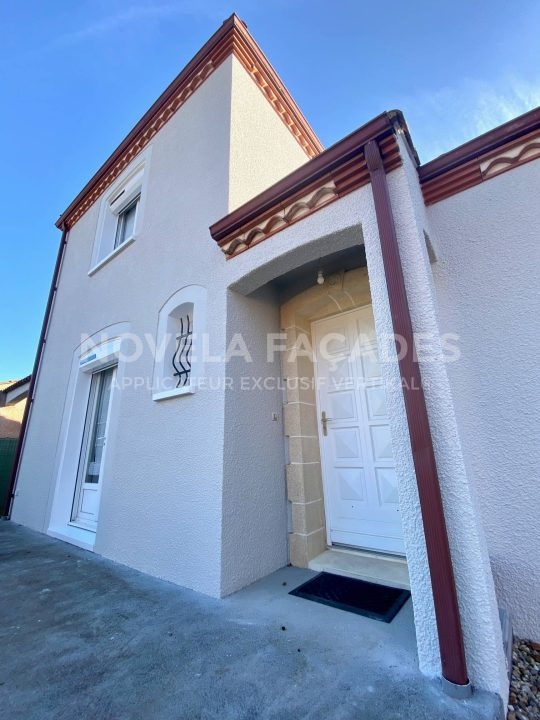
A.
x: 111, y: 255
x: 173, y: 393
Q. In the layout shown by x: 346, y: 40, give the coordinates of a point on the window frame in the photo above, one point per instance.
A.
x: 130, y: 188
x: 190, y: 299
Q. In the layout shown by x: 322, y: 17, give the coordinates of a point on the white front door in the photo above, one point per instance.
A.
x: 88, y: 487
x: 359, y: 477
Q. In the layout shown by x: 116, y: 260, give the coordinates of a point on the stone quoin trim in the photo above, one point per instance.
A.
x: 334, y: 173
x: 504, y: 148
x: 232, y: 38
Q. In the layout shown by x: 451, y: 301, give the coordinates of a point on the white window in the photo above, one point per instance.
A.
x: 121, y: 213
x: 178, y: 363
x: 125, y: 226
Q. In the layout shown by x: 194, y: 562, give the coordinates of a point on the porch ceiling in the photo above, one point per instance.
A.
x: 301, y: 278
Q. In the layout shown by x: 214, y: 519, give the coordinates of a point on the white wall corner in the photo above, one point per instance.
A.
x: 474, y: 581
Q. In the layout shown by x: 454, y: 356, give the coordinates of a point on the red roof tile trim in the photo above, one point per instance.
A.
x: 232, y: 38
x: 504, y: 148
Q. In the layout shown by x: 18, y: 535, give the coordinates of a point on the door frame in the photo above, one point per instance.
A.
x: 98, y: 351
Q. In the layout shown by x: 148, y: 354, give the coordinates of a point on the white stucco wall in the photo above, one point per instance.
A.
x: 161, y: 504
x: 474, y: 583
x: 487, y: 280
x: 254, y: 522
x: 273, y: 152
x: 163, y: 485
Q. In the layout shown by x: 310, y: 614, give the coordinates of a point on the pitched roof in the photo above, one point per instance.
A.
x: 9, y: 385
x: 232, y: 38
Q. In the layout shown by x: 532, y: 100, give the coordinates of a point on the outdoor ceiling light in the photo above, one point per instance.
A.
x: 320, y: 278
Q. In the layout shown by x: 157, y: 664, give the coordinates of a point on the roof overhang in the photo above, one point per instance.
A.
x: 15, y: 391
x: 514, y: 143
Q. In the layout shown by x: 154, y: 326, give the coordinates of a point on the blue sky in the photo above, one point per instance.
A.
x: 76, y: 76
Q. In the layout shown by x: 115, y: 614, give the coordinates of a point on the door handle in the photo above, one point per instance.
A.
x: 324, y: 420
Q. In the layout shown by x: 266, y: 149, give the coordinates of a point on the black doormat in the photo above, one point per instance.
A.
x: 358, y: 596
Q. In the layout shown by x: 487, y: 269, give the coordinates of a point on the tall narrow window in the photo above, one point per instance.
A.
x: 125, y: 226
x: 178, y: 368
x: 182, y: 355
x: 86, y: 500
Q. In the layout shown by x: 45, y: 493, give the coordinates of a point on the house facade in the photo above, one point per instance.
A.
x: 257, y: 351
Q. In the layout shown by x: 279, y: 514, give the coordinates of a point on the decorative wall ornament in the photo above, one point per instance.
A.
x: 181, y: 360
x: 482, y: 159
x: 516, y: 155
x: 282, y: 218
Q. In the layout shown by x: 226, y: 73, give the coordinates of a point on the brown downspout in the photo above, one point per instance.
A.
x: 454, y: 666
x: 33, y: 379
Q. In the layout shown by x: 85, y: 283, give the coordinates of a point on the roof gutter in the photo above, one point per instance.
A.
x: 451, y: 646
x: 35, y: 371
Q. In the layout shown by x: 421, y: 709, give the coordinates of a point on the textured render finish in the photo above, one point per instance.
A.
x: 340, y: 292
x: 409, y: 504
x: 487, y: 285
x: 273, y: 154
x: 161, y: 504
x: 478, y: 607
x: 254, y: 515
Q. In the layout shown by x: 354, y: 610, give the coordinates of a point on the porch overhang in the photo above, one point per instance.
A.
x: 334, y: 173
x: 366, y: 157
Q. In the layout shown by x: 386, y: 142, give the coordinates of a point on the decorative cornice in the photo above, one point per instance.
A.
x: 517, y: 155
x: 232, y: 38
x: 282, y: 218
x: 491, y: 154
x: 331, y: 175
x: 267, y: 80
x: 140, y: 142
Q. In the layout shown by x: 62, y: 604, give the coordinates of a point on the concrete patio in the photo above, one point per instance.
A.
x: 83, y: 637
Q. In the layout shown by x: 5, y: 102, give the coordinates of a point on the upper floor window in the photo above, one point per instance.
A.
x: 125, y: 226
x: 121, y: 213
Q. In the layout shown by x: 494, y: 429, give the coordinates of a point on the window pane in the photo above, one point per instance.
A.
x: 129, y: 221
x: 100, y: 425
x: 126, y: 223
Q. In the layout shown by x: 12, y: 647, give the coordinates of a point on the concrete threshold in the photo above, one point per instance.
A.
x: 388, y: 570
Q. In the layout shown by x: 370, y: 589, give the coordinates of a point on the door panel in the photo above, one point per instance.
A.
x: 360, y: 482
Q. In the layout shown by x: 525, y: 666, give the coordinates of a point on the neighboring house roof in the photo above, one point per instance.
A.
x: 10, y: 385
x: 13, y: 390
x: 232, y: 38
